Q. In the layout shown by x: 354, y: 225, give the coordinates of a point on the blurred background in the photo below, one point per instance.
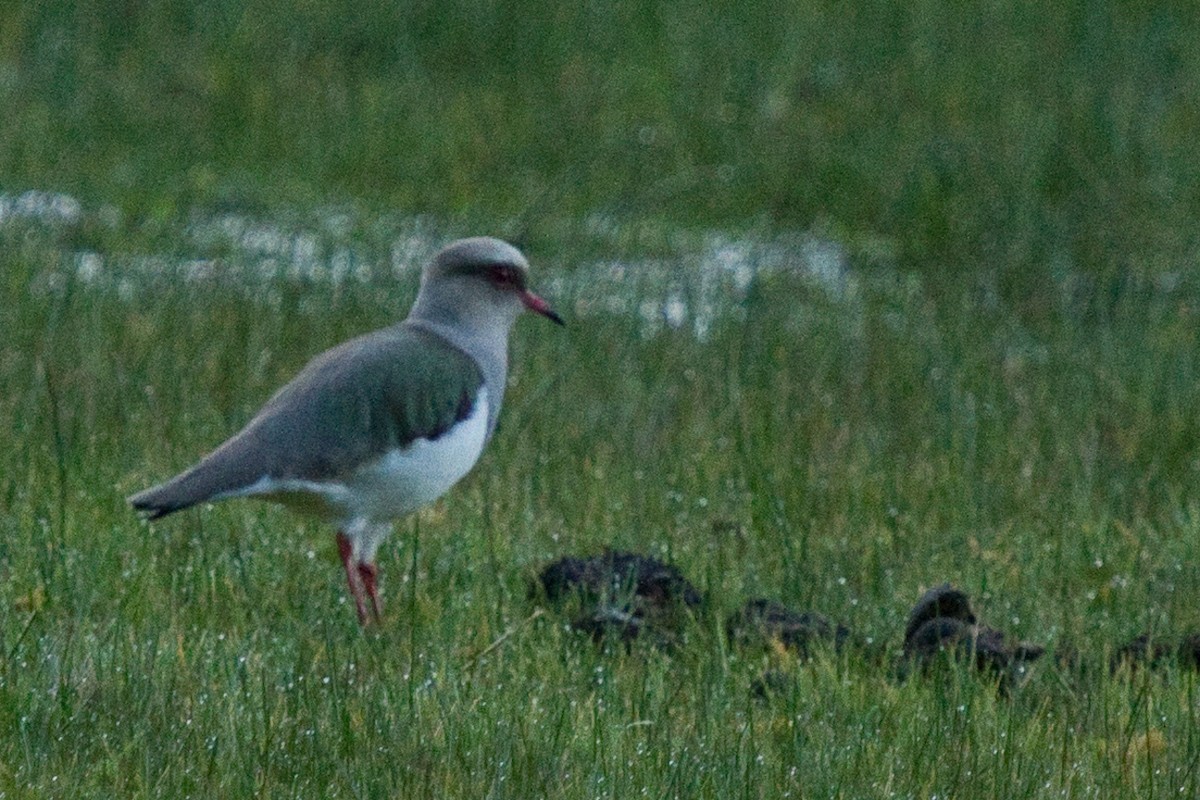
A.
x: 1019, y: 140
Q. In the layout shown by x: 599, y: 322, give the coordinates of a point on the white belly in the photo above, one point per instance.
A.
x: 393, y: 485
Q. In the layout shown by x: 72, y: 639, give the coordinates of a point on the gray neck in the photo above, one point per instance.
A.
x: 482, y: 336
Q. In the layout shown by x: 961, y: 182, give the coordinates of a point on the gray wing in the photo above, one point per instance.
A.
x: 349, y: 405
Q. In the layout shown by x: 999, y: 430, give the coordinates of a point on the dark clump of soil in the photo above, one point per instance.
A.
x: 943, y: 621
x: 625, y: 596
x: 1145, y: 650
x: 620, y: 594
x: 799, y: 631
x: 943, y: 602
x: 772, y: 682
x: 1189, y: 651
x: 779, y: 629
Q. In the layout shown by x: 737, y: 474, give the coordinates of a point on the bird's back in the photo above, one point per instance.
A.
x: 349, y: 406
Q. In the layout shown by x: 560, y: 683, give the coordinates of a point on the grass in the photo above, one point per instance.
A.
x: 837, y: 453
x: 1008, y: 139
x: 1001, y: 392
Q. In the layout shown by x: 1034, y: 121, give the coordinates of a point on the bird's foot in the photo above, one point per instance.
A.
x: 368, y: 574
x: 355, y: 579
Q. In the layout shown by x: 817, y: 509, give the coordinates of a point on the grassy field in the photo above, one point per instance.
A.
x: 1011, y: 137
x: 978, y: 363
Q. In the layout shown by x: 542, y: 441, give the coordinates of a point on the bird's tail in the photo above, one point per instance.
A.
x: 204, y: 482
x: 166, y: 498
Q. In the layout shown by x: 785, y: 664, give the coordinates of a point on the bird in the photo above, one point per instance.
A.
x: 381, y: 425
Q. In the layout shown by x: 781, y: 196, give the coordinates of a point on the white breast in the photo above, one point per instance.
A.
x: 393, y: 485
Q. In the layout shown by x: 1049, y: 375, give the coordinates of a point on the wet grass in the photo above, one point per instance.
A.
x: 1001, y: 394
x: 1014, y: 139
x: 839, y: 452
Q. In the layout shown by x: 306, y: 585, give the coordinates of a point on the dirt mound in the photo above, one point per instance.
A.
x: 943, y: 622
x: 766, y: 621
x: 1147, y: 650
x: 619, y: 593
x: 626, y: 595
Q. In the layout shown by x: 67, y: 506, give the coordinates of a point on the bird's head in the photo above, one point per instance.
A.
x: 479, y: 278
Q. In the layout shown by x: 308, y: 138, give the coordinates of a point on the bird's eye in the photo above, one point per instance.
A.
x: 503, y: 275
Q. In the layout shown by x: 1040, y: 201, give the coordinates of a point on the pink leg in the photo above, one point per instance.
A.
x: 368, y: 573
x: 346, y: 551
